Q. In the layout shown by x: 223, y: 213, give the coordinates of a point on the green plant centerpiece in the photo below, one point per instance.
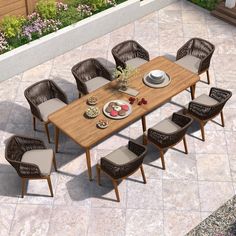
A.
x: 123, y: 75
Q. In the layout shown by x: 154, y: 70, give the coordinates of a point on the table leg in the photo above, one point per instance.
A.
x: 144, y: 123
x: 88, y: 158
x: 56, y: 137
x: 192, y: 89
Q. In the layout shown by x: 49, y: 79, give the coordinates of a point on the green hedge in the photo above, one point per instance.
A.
x: 208, y: 4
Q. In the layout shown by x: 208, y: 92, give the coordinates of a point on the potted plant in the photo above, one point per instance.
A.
x: 123, y: 75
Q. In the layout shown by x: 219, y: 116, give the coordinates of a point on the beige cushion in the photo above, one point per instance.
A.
x: 50, y: 106
x: 190, y: 63
x: 205, y: 100
x: 121, y: 156
x: 135, y: 62
x: 40, y: 157
x: 96, y: 83
x: 166, y: 126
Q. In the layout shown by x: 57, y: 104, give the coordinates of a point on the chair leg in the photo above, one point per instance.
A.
x: 185, y: 145
x: 208, y: 77
x: 145, y: 140
x: 50, y: 185
x: 54, y: 162
x: 116, y: 190
x: 47, y: 131
x: 98, y: 174
x: 23, y: 181
x: 222, y: 119
x: 143, y: 175
x: 192, y: 90
x: 162, y: 159
x: 202, y: 130
x: 34, y: 123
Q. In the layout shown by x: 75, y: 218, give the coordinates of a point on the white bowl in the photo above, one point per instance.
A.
x: 157, y: 76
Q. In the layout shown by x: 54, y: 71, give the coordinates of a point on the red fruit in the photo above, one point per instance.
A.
x: 131, y: 99
x: 139, y: 103
x: 114, y: 113
x: 145, y: 102
x: 143, y: 99
x: 125, y: 107
x: 131, y: 102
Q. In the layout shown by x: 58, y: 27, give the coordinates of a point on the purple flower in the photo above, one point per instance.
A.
x: 111, y: 2
x: 85, y: 10
x: 38, y: 26
x: 61, y: 6
x: 3, y: 43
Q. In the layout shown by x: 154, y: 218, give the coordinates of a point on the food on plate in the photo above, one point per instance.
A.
x: 109, y: 109
x: 92, y: 100
x: 117, y: 108
x: 114, y: 113
x: 122, y: 113
x: 125, y: 107
x: 92, y: 112
x: 102, y: 123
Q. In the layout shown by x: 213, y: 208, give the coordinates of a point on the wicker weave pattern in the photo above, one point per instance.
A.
x: 120, y: 171
x: 199, y: 48
x: 164, y: 140
x: 204, y: 112
x: 41, y: 92
x: 128, y: 50
x: 87, y: 70
x: 15, y: 148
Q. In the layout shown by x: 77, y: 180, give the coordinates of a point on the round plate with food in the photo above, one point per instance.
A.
x: 92, y: 112
x: 117, y: 109
x: 102, y: 124
x: 92, y: 100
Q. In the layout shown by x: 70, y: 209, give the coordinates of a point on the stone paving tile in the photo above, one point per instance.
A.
x: 68, y: 220
x: 141, y: 222
x: 214, y: 194
x: 106, y: 221
x: 213, y: 167
x: 191, y: 187
x: 180, y: 222
x: 31, y: 220
x: 181, y: 195
x: 6, y: 216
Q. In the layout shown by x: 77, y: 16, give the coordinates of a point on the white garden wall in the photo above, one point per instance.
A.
x: 57, y: 43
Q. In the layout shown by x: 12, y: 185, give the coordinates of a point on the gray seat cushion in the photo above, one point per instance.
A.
x: 166, y: 126
x: 40, y: 157
x: 189, y: 62
x: 50, y: 106
x: 205, y: 100
x: 96, y: 83
x: 135, y: 62
x: 121, y: 156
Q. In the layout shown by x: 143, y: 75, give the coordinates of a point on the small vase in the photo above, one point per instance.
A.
x: 123, y: 85
x: 230, y: 3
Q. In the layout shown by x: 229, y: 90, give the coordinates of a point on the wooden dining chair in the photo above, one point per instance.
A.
x: 206, y: 107
x: 31, y: 159
x: 130, y: 53
x: 168, y: 133
x: 44, y: 98
x: 122, y: 163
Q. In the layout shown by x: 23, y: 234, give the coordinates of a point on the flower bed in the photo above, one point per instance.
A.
x: 49, y: 16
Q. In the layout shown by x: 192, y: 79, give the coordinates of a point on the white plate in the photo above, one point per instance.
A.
x: 148, y: 81
x: 117, y: 117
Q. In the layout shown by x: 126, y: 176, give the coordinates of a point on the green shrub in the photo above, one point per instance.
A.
x: 11, y: 26
x: 69, y: 17
x: 208, y: 4
x: 47, y: 9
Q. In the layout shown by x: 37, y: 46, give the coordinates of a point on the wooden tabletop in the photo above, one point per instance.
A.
x: 72, y: 121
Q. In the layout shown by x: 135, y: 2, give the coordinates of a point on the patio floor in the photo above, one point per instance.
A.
x: 173, y: 201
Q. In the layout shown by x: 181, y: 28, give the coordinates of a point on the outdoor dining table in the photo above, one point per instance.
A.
x: 72, y: 121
